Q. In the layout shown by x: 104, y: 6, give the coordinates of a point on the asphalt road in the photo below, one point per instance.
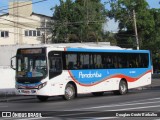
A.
x: 142, y: 103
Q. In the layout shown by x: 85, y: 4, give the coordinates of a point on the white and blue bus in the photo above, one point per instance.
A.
x: 69, y: 71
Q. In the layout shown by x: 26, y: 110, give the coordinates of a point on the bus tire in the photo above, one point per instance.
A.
x: 98, y: 93
x: 42, y: 98
x: 70, y: 92
x: 123, y: 88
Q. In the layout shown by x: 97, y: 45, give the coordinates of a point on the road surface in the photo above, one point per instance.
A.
x: 141, y: 103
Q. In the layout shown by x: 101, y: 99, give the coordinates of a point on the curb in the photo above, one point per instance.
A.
x: 16, y: 97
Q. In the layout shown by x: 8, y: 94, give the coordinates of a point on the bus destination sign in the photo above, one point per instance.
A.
x: 31, y: 51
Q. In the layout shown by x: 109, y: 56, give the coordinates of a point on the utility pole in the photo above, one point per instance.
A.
x: 15, y: 5
x: 44, y: 28
x: 135, y: 29
x: 45, y: 33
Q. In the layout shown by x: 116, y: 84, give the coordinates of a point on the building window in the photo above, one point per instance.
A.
x: 33, y: 33
x: 26, y: 33
x: 38, y: 33
x: 30, y: 33
x: 4, y: 34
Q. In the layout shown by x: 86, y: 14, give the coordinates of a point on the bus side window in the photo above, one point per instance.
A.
x: 70, y: 65
x: 70, y: 61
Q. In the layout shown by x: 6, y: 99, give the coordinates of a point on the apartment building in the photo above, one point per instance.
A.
x: 22, y: 26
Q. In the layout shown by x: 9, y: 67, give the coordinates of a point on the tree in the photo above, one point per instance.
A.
x: 148, y: 22
x: 154, y: 37
x: 122, y: 11
x: 154, y: 40
x: 61, y: 24
x: 78, y: 21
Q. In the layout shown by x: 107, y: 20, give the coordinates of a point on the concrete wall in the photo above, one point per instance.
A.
x: 7, y: 75
x: 7, y: 81
x: 7, y: 78
x: 8, y: 51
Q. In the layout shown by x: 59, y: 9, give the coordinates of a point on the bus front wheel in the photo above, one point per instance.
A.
x: 123, y: 88
x: 42, y: 98
x: 70, y: 92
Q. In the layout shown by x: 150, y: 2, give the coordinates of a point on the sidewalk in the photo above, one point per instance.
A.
x: 9, y: 94
x: 15, y: 98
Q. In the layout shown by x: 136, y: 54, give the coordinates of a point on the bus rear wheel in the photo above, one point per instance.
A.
x: 70, y: 92
x: 42, y: 98
x: 123, y: 88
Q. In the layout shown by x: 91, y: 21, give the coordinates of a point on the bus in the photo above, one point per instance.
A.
x: 71, y: 70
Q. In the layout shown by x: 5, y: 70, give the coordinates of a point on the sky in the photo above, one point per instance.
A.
x: 45, y: 6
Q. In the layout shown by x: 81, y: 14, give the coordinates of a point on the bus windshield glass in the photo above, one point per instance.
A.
x: 31, y: 65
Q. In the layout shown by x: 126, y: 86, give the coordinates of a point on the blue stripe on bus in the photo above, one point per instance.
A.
x: 93, y: 76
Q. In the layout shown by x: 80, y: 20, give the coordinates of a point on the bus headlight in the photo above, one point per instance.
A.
x: 42, y: 85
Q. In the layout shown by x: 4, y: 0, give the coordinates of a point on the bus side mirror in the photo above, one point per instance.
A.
x: 12, y: 66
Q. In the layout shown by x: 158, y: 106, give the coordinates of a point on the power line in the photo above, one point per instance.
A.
x: 15, y: 33
x: 24, y: 5
x: 11, y: 25
x: 6, y: 6
x: 22, y: 17
x: 12, y: 32
x: 18, y: 23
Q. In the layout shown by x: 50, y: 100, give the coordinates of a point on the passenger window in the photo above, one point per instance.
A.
x: 71, y: 61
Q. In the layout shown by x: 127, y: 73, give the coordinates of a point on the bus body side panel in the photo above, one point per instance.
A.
x: 102, y: 80
x: 142, y: 81
x: 93, y: 81
x: 59, y: 83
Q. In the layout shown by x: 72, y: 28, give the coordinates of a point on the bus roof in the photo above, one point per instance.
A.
x: 88, y: 46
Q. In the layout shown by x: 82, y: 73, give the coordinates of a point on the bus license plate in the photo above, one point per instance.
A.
x: 26, y: 91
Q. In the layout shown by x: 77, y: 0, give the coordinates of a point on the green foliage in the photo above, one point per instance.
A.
x: 148, y: 26
x: 122, y: 11
x: 78, y: 21
x: 154, y: 37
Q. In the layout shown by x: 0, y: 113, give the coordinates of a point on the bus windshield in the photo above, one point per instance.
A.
x: 31, y: 66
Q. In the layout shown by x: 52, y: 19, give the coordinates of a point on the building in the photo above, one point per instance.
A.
x: 22, y: 26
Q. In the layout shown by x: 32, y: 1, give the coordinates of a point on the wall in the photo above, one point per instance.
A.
x: 7, y: 81
x: 7, y: 78
x: 8, y: 51
x: 7, y: 75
